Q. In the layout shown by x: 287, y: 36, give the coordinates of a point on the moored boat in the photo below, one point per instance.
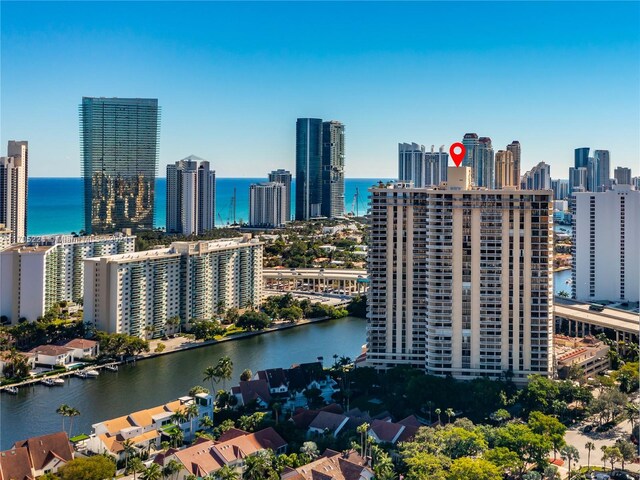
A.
x: 48, y: 382
x: 58, y: 381
x: 11, y: 390
x: 80, y: 374
x: 92, y: 373
x: 111, y: 368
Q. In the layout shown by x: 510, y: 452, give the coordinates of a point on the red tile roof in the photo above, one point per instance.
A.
x: 81, y: 343
x: 15, y: 464
x: 46, y: 447
x: 253, y: 390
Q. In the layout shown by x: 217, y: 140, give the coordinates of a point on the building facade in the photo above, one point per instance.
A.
x: 191, y: 196
x: 137, y: 293
x: 461, y: 281
x: 622, y: 175
x: 514, y: 148
x: 5, y: 237
x: 267, y: 205
x: 119, y: 146
x: 538, y: 178
x: 602, y: 161
x: 319, y: 168
x: 484, y: 168
x: 606, y: 227
x: 50, y: 269
x: 420, y: 167
x: 14, y: 177
x: 505, y: 170
x: 284, y: 177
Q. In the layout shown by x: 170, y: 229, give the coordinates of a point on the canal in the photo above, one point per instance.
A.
x: 158, y: 380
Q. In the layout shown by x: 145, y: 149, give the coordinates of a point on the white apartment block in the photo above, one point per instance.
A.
x: 606, y: 228
x: 136, y: 293
x: 268, y: 205
x: 14, y: 176
x: 46, y: 270
x: 422, y: 168
x: 461, y: 281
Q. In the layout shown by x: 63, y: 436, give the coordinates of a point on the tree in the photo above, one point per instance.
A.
x: 631, y: 412
x: 310, y: 449
x: 129, y: 449
x: 16, y: 366
x: 153, y: 472
x: 530, y: 446
x: 504, y: 459
x: 438, y: 412
x: 611, y: 455
x: 473, y: 469
x: 246, y: 375
x: 72, y: 412
x: 191, y: 413
x: 590, y: 446
x: 259, y: 467
x: 500, y: 416
x: 211, y: 374
x: 207, y: 422
x: 548, y: 426
x: 197, y: 389
x: 423, y: 465
x: 171, y: 468
x: 628, y: 451
x: 362, y: 429
x: 569, y: 454
x: 224, y: 368
x: 457, y: 442
x: 63, y: 411
x: 449, y: 413
x: 226, y: 473
x: 135, y: 466
x: 88, y: 468
x: 253, y: 321
x: 277, y: 407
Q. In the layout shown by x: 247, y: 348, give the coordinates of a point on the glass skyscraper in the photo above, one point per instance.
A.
x: 119, y: 147
x: 332, y: 169
x: 308, y: 168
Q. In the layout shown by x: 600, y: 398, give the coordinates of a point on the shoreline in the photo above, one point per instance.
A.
x: 180, y: 344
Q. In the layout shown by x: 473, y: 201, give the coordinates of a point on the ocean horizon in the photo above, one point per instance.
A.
x: 55, y: 205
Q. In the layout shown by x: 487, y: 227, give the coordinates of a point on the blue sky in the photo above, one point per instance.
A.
x: 233, y: 77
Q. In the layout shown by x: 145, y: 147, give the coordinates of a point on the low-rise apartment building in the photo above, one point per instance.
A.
x: 588, y: 355
x: 137, y: 293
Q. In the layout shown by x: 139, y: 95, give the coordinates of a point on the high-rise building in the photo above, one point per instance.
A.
x: 505, y: 170
x: 319, y: 168
x: 606, y: 227
x: 267, y: 205
x: 635, y: 181
x: 284, y: 177
x: 622, y: 175
x: 46, y: 270
x: 14, y: 177
x: 478, y: 303
x: 191, y: 196
x: 470, y: 142
x: 308, y: 168
x: 332, y: 169
x: 422, y: 168
x: 119, y: 148
x: 577, y: 179
x: 5, y: 237
x: 581, y: 157
x: 514, y: 148
x: 137, y: 293
x: 560, y: 189
x: 601, y: 158
x: 540, y: 176
x: 484, y: 168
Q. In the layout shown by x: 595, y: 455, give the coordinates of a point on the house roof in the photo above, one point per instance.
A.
x: 411, y: 420
x: 15, y: 464
x: 331, y: 466
x: 81, y: 343
x: 141, y: 418
x: 327, y: 421
x: 275, y: 377
x: 51, y: 350
x: 254, y: 390
x: 46, y: 447
x: 198, y: 459
x: 386, y: 431
x: 304, y: 418
x: 296, y: 379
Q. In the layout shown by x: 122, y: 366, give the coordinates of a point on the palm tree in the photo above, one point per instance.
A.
x: 172, y: 468
x: 631, y: 411
x: 438, y: 412
x: 177, y: 437
x: 310, y: 449
x: 362, y: 430
x: 129, y: 448
x: 226, y: 473
x: 276, y: 410
x: 569, y: 453
x: 207, y: 422
x: 225, y: 370
x: 450, y: 413
x: 192, y: 412
x: 590, y: 446
x: 153, y: 472
x: 63, y: 410
x: 135, y: 466
x: 73, y: 412
x: 211, y: 373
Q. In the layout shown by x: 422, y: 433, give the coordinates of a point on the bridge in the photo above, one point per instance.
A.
x: 575, y: 315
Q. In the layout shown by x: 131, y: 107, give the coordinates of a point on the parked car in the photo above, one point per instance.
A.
x: 620, y: 475
x: 587, y: 428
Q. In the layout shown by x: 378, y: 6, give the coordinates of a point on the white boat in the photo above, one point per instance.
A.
x: 47, y: 381
x: 111, y: 368
x: 92, y: 373
x: 58, y: 381
x: 11, y: 390
x: 80, y: 374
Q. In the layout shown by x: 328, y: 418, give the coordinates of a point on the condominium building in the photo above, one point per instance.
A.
x: 538, y: 178
x: 136, y: 293
x: 470, y: 142
x: 5, y: 237
x: 622, y: 175
x: 191, y: 196
x: 577, y: 179
x: 581, y: 157
x: 284, y: 177
x: 50, y: 269
x: 505, y: 170
x: 461, y: 281
x: 602, y: 162
x: 514, y: 148
x: 14, y: 177
x: 560, y: 189
x: 484, y: 168
x: 420, y: 167
x: 119, y: 146
x: 267, y: 205
x: 606, y: 227
x: 319, y: 168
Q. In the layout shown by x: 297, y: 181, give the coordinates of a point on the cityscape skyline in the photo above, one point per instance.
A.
x: 526, y: 71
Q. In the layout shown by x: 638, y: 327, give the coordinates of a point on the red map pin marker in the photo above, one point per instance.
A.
x: 457, y: 152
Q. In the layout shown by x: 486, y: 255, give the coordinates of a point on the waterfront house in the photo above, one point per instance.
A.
x: 6, y: 354
x: 386, y: 431
x: 331, y: 465
x: 205, y: 457
x: 328, y: 423
x: 53, y: 355
x: 275, y: 378
x: 251, y: 391
x: 145, y: 428
x: 83, y: 348
x: 36, y: 456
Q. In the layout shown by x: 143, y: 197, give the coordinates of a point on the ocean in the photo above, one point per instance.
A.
x: 56, y: 205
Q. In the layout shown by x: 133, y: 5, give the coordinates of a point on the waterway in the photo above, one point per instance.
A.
x: 162, y: 379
